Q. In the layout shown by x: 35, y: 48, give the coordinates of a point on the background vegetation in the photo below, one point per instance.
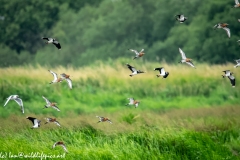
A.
x: 193, y: 114
x: 107, y: 87
x: 105, y: 29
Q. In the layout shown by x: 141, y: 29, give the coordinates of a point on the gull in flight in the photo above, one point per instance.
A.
x: 223, y: 26
x: 237, y: 5
x: 50, y: 104
x: 104, y: 119
x: 185, y: 59
x: 55, y: 77
x: 66, y: 77
x: 138, y: 54
x: 133, y: 102
x: 60, y: 143
x: 49, y: 120
x: 17, y: 99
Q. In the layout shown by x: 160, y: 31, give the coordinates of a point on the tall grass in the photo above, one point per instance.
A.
x: 201, y: 133
x: 107, y: 87
x: 193, y: 114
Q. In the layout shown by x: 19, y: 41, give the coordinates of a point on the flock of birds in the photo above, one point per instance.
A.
x: 162, y: 73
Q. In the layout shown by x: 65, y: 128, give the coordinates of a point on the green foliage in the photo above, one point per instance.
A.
x: 154, y: 130
x: 98, y: 30
x: 84, y: 143
x: 26, y: 23
x: 130, y: 118
x: 107, y: 87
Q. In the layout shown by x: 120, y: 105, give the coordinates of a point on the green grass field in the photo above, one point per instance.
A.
x: 193, y: 114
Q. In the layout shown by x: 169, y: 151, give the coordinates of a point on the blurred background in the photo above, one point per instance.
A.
x: 91, y: 30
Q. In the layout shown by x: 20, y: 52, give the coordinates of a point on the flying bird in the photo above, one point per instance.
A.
x: 138, y: 54
x: 134, y: 71
x: 50, y: 104
x: 237, y: 5
x: 104, y: 119
x: 35, y: 121
x: 230, y: 76
x: 162, y: 72
x: 185, y: 59
x: 53, y: 120
x: 55, y: 77
x: 60, y: 143
x: 223, y: 26
x: 53, y: 41
x: 181, y: 18
x: 66, y: 77
x: 238, y: 63
x: 133, y: 102
x: 17, y: 99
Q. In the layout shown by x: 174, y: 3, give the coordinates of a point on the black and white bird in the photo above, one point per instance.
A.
x: 17, y: 99
x: 185, y: 59
x: 53, y: 120
x: 104, y: 119
x: 223, y: 26
x: 162, y: 72
x: 134, y: 71
x: 53, y: 41
x: 238, y: 63
x: 138, y: 54
x: 60, y: 143
x: 180, y: 18
x: 35, y: 121
x: 230, y: 76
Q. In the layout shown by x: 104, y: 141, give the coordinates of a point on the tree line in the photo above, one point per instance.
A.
x: 91, y: 30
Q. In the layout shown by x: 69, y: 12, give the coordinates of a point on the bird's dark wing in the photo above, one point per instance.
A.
x: 178, y: 15
x: 232, y: 80
x: 159, y: 69
x: 131, y: 68
x: 227, y: 71
x: 57, y: 44
x: 139, y: 71
x: 166, y: 75
x: 45, y: 38
x: 31, y: 119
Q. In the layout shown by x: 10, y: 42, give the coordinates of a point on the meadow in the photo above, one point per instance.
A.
x: 193, y: 114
